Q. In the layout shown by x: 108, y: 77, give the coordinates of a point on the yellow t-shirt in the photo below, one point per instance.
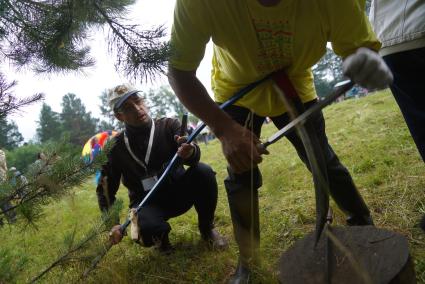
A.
x: 251, y: 41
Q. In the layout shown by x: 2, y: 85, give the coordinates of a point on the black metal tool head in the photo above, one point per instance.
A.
x: 183, y: 127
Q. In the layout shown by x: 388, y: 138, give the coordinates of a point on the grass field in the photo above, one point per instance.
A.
x: 371, y: 139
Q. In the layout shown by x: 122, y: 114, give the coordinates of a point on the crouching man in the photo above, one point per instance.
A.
x: 139, y: 156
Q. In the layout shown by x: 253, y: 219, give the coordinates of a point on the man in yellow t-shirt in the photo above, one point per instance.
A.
x: 253, y: 38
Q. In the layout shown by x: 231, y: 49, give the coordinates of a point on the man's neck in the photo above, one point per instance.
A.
x: 269, y: 3
x: 139, y: 129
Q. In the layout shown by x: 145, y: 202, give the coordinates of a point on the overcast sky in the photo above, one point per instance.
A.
x: 89, y: 85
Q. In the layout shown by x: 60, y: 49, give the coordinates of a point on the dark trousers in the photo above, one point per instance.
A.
x: 408, y: 88
x: 242, y: 189
x: 10, y: 214
x: 197, y: 187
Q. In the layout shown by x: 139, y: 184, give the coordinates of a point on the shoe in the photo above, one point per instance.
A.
x: 359, y: 221
x: 166, y: 250
x: 242, y: 275
x: 163, y: 245
x: 215, y: 240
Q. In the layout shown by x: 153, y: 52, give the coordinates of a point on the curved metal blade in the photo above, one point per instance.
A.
x: 314, y: 153
x: 341, y: 88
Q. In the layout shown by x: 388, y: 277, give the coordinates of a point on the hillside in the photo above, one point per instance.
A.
x: 371, y: 139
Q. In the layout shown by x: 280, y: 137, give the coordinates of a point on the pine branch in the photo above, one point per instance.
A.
x: 50, y: 36
x: 50, y: 180
x: 95, y: 262
x: 90, y: 237
x: 8, y: 102
x: 11, y: 264
x: 144, y: 55
x: 44, y: 190
x: 64, y: 257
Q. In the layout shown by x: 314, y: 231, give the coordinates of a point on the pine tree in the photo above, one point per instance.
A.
x: 111, y: 123
x: 327, y: 72
x: 162, y: 102
x: 23, y: 156
x: 76, y: 121
x: 48, y: 180
x: 8, y: 101
x: 52, y: 36
x: 49, y: 125
x: 10, y: 137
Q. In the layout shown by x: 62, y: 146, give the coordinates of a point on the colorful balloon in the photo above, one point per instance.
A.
x: 95, y: 144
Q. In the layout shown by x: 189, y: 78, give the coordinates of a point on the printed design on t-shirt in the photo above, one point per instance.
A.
x: 275, y: 44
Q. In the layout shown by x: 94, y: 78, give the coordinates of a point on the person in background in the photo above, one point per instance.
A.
x: 140, y: 154
x: 19, y: 181
x: 5, y: 204
x: 254, y: 38
x: 95, y: 148
x: 41, y: 161
x: 3, y: 166
x: 400, y: 26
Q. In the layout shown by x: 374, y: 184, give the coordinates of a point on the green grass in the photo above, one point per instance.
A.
x: 371, y: 139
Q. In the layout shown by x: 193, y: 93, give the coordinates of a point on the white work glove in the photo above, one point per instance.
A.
x: 368, y: 69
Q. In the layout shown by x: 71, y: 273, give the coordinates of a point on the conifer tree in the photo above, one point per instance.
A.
x: 76, y: 121
x: 48, y: 180
x: 49, y: 125
x: 9, y: 103
x: 327, y: 72
x: 110, y: 122
x: 162, y: 102
x: 52, y: 36
x: 10, y: 137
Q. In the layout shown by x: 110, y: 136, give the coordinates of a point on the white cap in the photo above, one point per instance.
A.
x: 12, y: 169
x: 119, y: 94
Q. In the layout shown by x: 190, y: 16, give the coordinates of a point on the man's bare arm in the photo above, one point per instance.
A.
x: 196, y: 99
x: 238, y: 143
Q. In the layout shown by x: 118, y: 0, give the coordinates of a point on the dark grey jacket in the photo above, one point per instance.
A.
x: 121, y: 165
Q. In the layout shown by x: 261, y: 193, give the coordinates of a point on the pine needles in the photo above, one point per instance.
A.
x: 52, y: 36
